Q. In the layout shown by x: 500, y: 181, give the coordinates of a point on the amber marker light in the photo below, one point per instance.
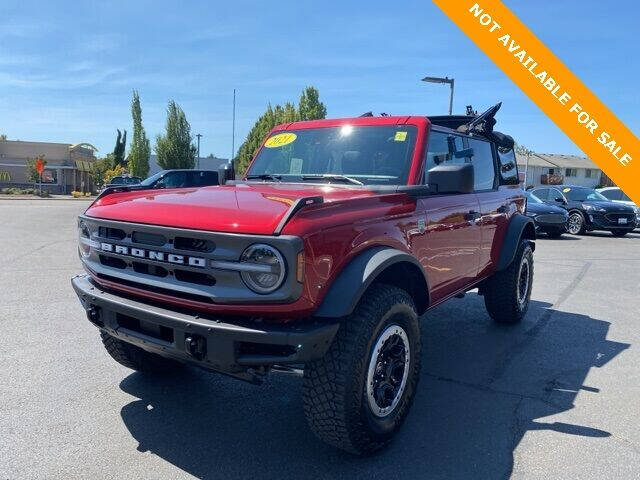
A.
x: 300, y: 267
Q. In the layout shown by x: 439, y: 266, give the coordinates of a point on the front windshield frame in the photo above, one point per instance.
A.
x: 378, y: 155
x: 584, y: 194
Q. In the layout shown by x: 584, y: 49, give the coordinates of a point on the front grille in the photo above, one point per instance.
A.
x: 194, y: 244
x: 194, y: 277
x: 182, y: 263
x: 111, y: 233
x: 113, y: 262
x: 551, y: 218
x: 148, y: 269
x: 614, y: 217
x: 145, y: 238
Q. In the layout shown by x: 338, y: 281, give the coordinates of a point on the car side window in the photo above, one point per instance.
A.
x: 507, y: 166
x: 209, y: 178
x: 612, y: 194
x: 484, y: 169
x: 439, y: 151
x: 542, y: 193
x: 554, y: 194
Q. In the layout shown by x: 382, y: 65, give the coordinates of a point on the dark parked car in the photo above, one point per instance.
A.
x: 548, y: 219
x: 124, y: 180
x: 181, y: 179
x: 589, y: 210
x: 121, y: 180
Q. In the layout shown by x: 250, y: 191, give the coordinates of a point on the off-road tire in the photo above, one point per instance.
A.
x: 501, y: 290
x: 335, y: 399
x: 136, y: 358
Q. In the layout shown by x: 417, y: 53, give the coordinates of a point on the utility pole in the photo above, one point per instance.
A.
x: 198, y: 135
x: 448, y: 80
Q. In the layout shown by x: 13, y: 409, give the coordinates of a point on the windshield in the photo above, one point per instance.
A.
x: 124, y: 180
x: 148, y: 181
x: 581, y: 194
x: 367, y: 155
x: 532, y: 198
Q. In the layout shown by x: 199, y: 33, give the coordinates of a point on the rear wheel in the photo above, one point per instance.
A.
x: 358, y: 395
x: 507, y: 293
x: 576, y: 226
x: 136, y: 358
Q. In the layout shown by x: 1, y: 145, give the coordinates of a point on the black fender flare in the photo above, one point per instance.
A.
x: 520, y: 227
x: 354, y: 279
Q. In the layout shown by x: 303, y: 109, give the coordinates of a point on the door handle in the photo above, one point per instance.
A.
x: 472, y: 216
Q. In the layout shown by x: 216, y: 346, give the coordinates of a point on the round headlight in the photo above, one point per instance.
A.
x: 84, y: 242
x: 264, y: 268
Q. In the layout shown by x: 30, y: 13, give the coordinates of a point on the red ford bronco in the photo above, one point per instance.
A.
x: 320, y: 261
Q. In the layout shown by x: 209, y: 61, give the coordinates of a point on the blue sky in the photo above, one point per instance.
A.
x: 67, y: 68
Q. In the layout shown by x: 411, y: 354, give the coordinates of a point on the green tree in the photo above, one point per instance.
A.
x: 118, y: 150
x: 175, y: 148
x: 32, y: 174
x: 99, y: 169
x: 140, y: 151
x: 310, y: 107
x: 3, y: 136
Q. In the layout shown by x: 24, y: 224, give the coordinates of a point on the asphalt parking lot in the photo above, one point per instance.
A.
x: 555, y: 397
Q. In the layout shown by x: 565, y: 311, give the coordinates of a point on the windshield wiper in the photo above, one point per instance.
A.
x: 265, y: 176
x: 331, y: 176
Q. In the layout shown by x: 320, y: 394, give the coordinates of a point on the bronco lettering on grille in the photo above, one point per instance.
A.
x: 154, y: 255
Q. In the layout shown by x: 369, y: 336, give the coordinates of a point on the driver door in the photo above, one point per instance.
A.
x: 450, y: 250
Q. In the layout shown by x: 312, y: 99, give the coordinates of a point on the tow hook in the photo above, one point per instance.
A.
x: 93, y: 314
x: 196, y: 346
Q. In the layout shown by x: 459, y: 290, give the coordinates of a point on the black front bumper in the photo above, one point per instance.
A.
x: 609, y: 221
x: 216, y: 344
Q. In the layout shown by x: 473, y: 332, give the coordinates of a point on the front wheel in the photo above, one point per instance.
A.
x: 507, y: 293
x: 358, y: 395
x: 576, y: 224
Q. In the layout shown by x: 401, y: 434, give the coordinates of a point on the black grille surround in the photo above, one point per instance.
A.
x: 204, y: 265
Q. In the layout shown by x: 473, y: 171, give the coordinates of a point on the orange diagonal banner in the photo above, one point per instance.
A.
x: 552, y: 86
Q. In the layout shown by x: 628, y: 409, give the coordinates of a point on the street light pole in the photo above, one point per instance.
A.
x: 198, y: 135
x: 448, y: 80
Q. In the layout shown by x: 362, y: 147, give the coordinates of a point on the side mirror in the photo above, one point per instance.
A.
x: 226, y: 172
x: 451, y: 178
x: 561, y: 200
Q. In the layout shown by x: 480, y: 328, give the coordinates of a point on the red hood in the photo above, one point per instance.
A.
x: 243, y: 208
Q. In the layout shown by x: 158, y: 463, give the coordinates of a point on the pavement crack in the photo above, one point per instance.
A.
x: 486, y: 388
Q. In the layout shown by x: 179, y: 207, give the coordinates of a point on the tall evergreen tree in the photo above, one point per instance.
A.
x: 310, y: 107
x: 175, y: 148
x: 140, y: 149
x: 119, y: 149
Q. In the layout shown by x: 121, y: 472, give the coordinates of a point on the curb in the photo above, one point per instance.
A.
x: 20, y: 197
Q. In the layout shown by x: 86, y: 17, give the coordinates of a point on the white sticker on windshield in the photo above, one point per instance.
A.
x: 295, y: 167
